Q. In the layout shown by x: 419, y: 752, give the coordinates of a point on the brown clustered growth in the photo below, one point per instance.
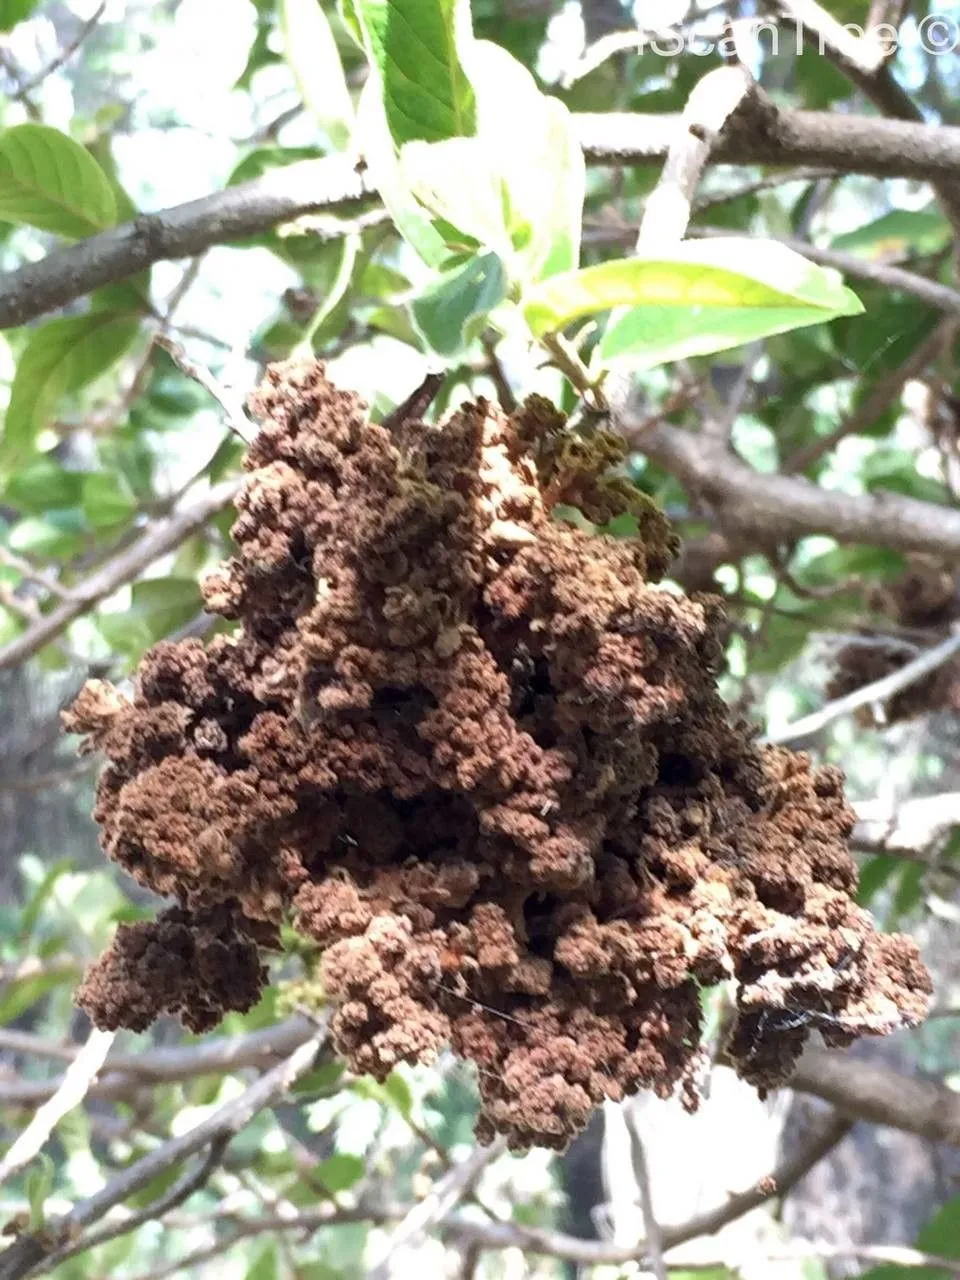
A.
x: 925, y: 600
x: 480, y: 759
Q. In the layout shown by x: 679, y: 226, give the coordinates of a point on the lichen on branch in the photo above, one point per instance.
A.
x: 478, y: 756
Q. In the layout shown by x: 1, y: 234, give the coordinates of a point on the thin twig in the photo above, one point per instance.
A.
x: 125, y: 1073
x: 75, y: 1085
x: 447, y: 1193
x: 228, y: 400
x: 877, y: 691
x: 154, y: 542
x: 883, y: 394
x: 31, y: 1250
x: 65, y: 54
x: 182, y: 1189
x: 416, y: 404
x: 651, y: 1227
x: 714, y: 99
x: 44, y: 578
x: 770, y: 181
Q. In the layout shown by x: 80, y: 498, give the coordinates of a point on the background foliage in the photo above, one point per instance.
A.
x: 793, y: 464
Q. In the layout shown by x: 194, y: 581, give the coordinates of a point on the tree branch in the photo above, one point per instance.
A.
x: 713, y: 100
x: 885, y: 148
x: 877, y: 691
x: 30, y: 1251
x: 852, y: 144
x: 448, y: 1192
x: 880, y: 1095
x: 311, y: 186
x: 74, y: 1087
x: 778, y: 508
x: 155, y: 542
x: 506, y: 1235
x: 126, y: 1072
x: 864, y: 61
x: 886, y: 390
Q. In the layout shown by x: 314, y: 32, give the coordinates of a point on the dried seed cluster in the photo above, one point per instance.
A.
x: 924, y: 599
x: 479, y: 757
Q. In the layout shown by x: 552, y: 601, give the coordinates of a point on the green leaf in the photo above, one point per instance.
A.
x: 898, y: 233
x: 262, y: 159
x: 38, y: 1185
x: 312, y: 55
x: 349, y: 251
x: 714, y: 1273
x: 400, y: 1094
x: 940, y: 1237
x: 377, y: 147
x: 265, y: 1265
x: 340, y: 1172
x: 452, y: 311
x: 830, y: 567
x: 14, y: 11
x: 60, y: 357
x: 874, y: 874
x: 50, y: 182
x: 542, y: 176
x: 320, y: 1079
x: 158, y: 607
x: 42, y: 485
x: 23, y: 993
x: 56, y: 535
x: 458, y: 180
x: 702, y: 296
x: 348, y: 16
x: 909, y: 892
x: 33, y: 908
x: 413, y: 47
x: 107, y: 499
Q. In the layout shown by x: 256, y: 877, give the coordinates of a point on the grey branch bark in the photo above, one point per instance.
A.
x: 125, y: 1073
x: 880, y: 1095
x: 778, y: 508
x: 885, y: 148
x: 865, y: 63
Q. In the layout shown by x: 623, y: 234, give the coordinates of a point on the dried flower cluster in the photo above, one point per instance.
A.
x: 925, y: 600
x: 476, y: 755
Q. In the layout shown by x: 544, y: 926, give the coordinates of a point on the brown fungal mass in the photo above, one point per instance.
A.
x: 478, y: 757
x: 924, y: 599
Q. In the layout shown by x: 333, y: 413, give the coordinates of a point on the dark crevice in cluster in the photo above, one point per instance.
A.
x: 924, y: 601
x: 478, y: 756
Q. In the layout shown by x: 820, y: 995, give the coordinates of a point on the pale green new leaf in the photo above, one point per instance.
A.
x: 698, y: 297
x: 459, y: 181
x: 409, y: 216
x: 62, y: 356
x: 538, y: 160
x: 39, y: 1184
x: 413, y: 47
x: 50, y: 182
x: 312, y: 55
x: 452, y: 311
